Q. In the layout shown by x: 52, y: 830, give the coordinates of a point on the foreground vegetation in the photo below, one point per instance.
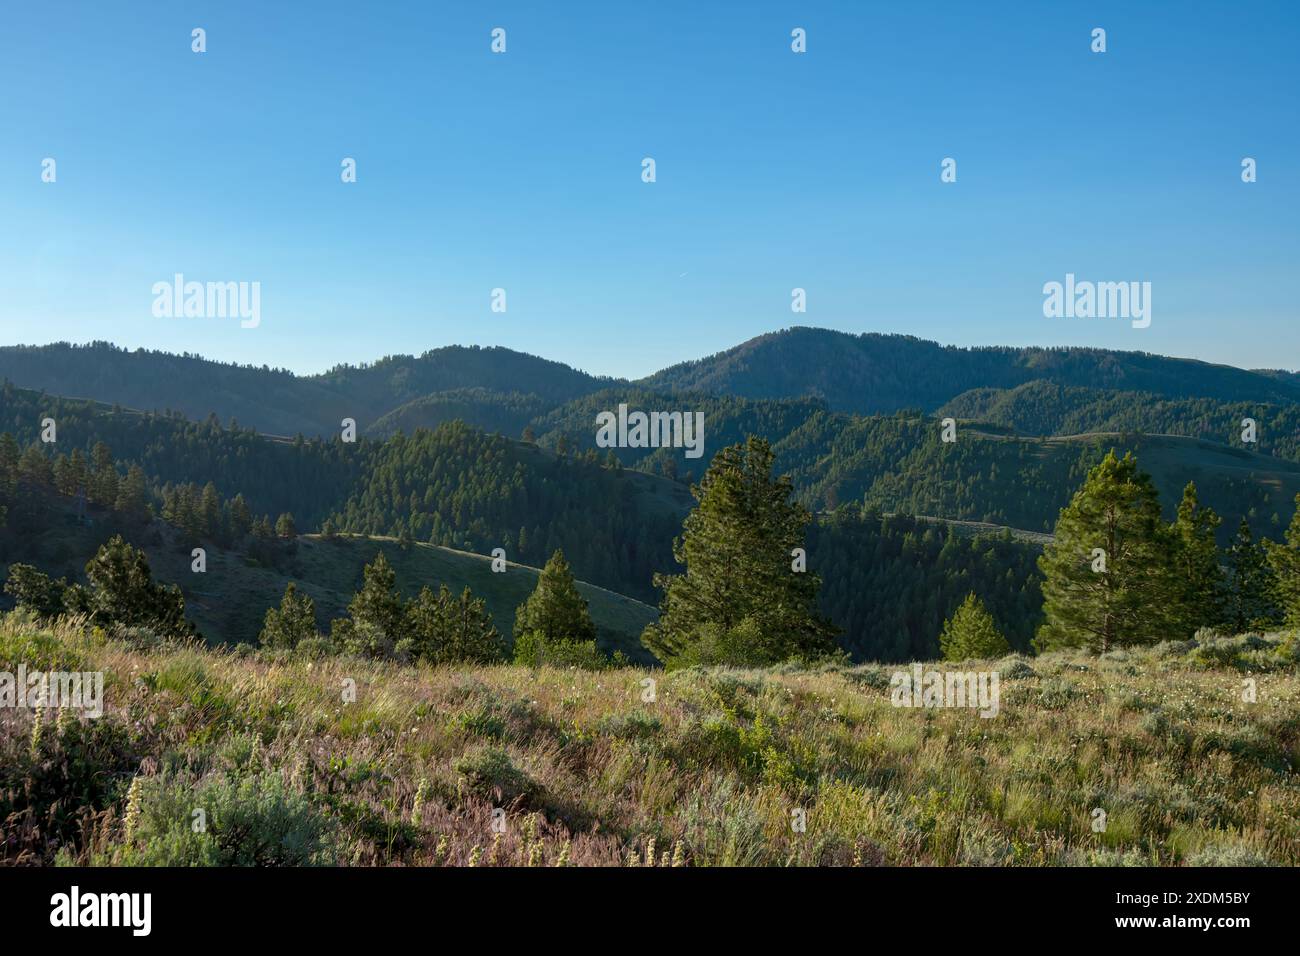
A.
x: 703, y: 767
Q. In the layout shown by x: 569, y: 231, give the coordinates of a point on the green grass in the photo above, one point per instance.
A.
x: 709, y: 772
x: 229, y: 601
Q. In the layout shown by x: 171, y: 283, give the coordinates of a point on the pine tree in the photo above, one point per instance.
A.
x: 445, y: 630
x: 122, y: 591
x: 34, y: 469
x: 1284, y: 560
x: 241, y: 518
x: 1252, y: 586
x: 35, y: 590
x: 377, y: 618
x: 133, y: 495
x: 285, y: 528
x: 1196, y: 563
x: 209, y: 516
x: 290, y: 624
x: 1109, y: 576
x: 104, y: 478
x: 972, y: 633
x: 740, y: 600
x: 555, y: 612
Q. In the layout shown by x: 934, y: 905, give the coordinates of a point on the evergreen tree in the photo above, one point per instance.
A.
x: 290, y: 624
x: 104, y: 480
x: 972, y: 633
x: 34, y: 469
x: 740, y: 600
x: 1109, y: 577
x: 555, y: 611
x: 377, y: 619
x: 241, y: 518
x: 285, y: 528
x: 34, y: 590
x: 133, y: 495
x: 1284, y: 560
x: 209, y: 516
x: 122, y: 591
x: 443, y: 629
x: 1196, y: 564
x: 1252, y: 586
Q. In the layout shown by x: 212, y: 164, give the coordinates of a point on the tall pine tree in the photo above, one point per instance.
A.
x: 1284, y: 559
x: 555, y: 611
x: 1196, y: 562
x: 1252, y: 586
x: 1109, y: 578
x: 746, y: 596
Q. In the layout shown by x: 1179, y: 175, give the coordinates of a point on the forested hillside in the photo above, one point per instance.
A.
x: 276, y: 401
x: 867, y: 374
x: 882, y: 373
x: 478, y: 449
x: 1045, y: 408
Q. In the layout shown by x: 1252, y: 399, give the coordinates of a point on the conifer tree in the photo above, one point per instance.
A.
x: 291, y: 623
x: 1284, y: 560
x: 741, y: 598
x: 971, y: 632
x: 1196, y: 564
x: 104, y: 480
x: 1252, y: 586
x: 1109, y: 576
x: 555, y: 611
x: 377, y: 618
x: 284, y: 526
x: 133, y: 495
x: 122, y: 591
x: 443, y: 629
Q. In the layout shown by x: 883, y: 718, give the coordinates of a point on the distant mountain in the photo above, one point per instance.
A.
x: 1045, y: 408
x: 873, y: 373
x: 503, y: 412
x: 276, y: 401
x: 375, y: 389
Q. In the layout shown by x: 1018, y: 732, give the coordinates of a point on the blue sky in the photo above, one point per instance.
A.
x: 522, y: 171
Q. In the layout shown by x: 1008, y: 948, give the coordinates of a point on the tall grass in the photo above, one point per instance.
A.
x: 521, y: 767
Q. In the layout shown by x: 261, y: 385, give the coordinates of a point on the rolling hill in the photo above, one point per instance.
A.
x: 867, y: 374
x: 883, y: 373
x: 229, y: 600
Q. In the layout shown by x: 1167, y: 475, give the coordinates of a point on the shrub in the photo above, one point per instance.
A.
x: 252, y: 820
x: 532, y: 649
x: 489, y: 772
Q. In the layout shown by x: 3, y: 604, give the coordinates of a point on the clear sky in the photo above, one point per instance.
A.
x: 523, y: 171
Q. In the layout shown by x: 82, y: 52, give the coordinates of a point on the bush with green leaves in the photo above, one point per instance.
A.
x: 533, y: 650
x: 221, y: 820
x: 34, y: 590
x: 489, y: 772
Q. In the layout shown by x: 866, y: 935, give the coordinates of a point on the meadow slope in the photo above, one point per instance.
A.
x: 591, y: 771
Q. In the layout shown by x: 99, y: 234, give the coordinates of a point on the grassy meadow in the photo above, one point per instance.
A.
x: 279, y: 768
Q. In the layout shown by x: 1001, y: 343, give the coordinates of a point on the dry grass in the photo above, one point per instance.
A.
x: 710, y: 772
